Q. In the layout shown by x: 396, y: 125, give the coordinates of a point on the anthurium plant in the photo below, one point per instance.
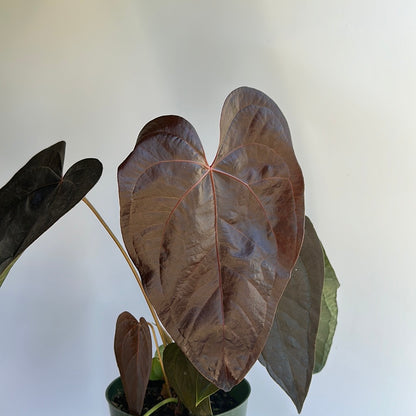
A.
x: 231, y: 269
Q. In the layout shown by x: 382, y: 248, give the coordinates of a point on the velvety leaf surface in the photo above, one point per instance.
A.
x: 215, y: 245
x: 190, y: 386
x: 133, y: 349
x: 37, y: 196
x: 290, y: 349
x: 329, y: 315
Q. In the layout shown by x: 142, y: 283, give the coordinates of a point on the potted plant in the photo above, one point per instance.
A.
x: 231, y: 269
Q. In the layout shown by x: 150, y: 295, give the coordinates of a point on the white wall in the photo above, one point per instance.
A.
x: 94, y: 72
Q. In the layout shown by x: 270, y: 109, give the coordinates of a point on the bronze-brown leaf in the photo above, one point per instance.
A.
x: 133, y: 349
x: 215, y: 244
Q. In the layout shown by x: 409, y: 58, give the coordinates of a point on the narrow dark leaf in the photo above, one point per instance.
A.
x: 37, y: 196
x: 329, y: 315
x: 290, y: 349
x: 133, y: 349
x: 190, y: 386
x: 215, y: 245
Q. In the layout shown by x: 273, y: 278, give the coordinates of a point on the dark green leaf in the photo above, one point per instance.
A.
x: 204, y: 389
x: 190, y: 386
x: 289, y: 351
x: 328, y: 319
x: 37, y: 196
x: 133, y: 349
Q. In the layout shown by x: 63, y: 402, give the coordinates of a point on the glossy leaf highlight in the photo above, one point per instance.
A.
x: 329, y: 316
x: 290, y: 349
x: 37, y: 196
x: 133, y: 350
x: 215, y: 245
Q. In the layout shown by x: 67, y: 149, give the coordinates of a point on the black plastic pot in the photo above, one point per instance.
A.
x: 239, y: 393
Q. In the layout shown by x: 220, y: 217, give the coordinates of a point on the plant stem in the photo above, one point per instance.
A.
x: 160, y: 404
x: 160, y: 358
x: 129, y: 262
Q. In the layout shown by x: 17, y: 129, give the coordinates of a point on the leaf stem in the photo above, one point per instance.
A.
x: 160, y: 404
x: 160, y: 358
x: 129, y: 262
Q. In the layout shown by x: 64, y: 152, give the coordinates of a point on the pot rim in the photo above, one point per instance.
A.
x: 244, y: 384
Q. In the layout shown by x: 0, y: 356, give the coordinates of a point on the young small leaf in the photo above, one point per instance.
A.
x: 328, y: 319
x: 37, y: 196
x: 190, y: 386
x: 289, y: 351
x: 156, y: 372
x: 133, y: 349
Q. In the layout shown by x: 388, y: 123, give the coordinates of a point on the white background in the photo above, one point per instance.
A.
x: 94, y: 72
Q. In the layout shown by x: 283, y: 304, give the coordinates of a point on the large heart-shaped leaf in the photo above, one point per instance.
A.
x: 37, y: 196
x: 190, y: 386
x: 133, y: 349
x: 215, y: 245
x: 329, y: 316
x: 290, y: 349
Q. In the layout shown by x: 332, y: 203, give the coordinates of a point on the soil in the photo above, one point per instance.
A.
x: 220, y: 402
